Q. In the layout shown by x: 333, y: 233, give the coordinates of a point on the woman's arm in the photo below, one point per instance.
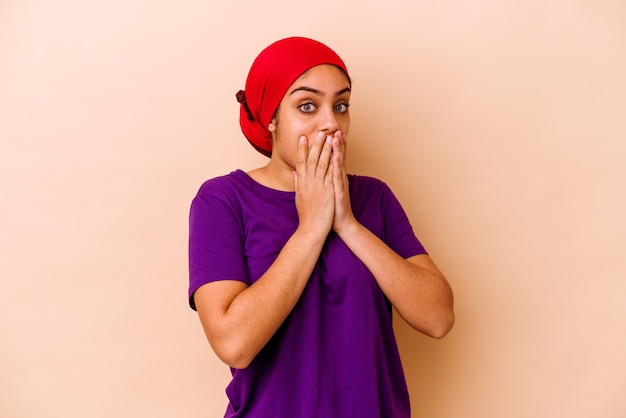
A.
x: 239, y: 319
x: 414, y: 286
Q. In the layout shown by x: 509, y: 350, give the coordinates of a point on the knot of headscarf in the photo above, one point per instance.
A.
x: 271, y: 74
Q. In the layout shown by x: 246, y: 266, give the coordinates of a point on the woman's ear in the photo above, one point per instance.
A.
x: 272, y: 126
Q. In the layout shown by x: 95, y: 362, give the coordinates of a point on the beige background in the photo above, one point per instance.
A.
x: 500, y: 126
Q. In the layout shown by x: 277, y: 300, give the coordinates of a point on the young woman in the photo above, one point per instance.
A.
x: 294, y: 266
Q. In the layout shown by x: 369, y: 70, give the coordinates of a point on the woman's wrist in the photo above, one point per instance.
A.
x: 348, y: 230
x: 311, y: 234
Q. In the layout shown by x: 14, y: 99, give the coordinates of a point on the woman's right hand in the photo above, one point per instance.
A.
x: 240, y: 319
x: 314, y: 184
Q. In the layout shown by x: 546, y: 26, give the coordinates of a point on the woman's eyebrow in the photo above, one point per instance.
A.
x: 342, y: 91
x: 317, y: 92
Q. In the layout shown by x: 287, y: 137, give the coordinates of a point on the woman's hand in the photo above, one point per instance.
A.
x: 415, y: 286
x: 239, y: 319
x: 313, y: 178
x: 344, y: 217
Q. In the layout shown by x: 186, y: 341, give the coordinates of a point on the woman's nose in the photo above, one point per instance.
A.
x: 328, y: 122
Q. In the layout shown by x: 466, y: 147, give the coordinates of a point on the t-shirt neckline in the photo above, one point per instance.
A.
x: 260, y: 187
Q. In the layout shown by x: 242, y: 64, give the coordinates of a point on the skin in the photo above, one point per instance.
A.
x: 309, y: 148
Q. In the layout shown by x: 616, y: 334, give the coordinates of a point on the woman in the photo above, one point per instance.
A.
x: 294, y: 266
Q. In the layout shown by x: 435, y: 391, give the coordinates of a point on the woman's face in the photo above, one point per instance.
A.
x: 317, y: 101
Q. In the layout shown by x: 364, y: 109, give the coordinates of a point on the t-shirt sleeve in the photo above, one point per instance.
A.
x: 399, y: 234
x: 216, y: 242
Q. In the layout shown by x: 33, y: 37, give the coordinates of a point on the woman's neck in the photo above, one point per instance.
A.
x: 275, y: 176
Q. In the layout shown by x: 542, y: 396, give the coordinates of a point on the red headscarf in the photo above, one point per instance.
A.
x: 271, y: 74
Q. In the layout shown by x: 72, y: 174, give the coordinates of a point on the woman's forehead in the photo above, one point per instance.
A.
x: 323, y: 76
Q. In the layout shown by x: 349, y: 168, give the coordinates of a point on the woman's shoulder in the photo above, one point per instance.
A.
x: 366, y: 184
x: 223, y: 184
x: 360, y: 178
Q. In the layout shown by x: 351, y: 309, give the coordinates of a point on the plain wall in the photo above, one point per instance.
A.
x: 499, y: 125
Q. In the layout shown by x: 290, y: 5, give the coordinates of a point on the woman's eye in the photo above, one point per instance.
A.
x: 307, y: 107
x: 342, y: 107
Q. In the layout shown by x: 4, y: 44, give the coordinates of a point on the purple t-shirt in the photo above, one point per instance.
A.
x: 335, y: 355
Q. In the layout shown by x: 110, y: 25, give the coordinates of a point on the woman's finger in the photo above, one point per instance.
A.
x: 315, y: 152
x: 339, y: 148
x: 301, y: 157
x: 324, y: 162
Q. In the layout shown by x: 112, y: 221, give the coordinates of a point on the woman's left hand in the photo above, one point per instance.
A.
x: 415, y: 286
x: 343, y: 210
